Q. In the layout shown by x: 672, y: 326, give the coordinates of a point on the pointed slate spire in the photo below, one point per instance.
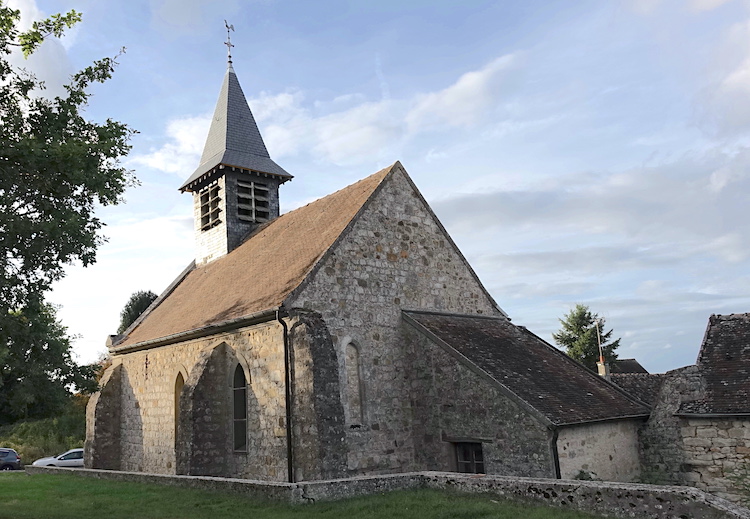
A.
x: 234, y: 139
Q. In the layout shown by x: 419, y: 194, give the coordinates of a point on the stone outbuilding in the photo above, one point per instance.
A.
x: 699, y: 430
x: 347, y: 337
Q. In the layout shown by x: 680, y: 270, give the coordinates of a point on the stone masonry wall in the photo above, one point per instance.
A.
x: 715, y: 450
x: 394, y: 256
x: 605, y: 450
x: 318, y: 416
x: 451, y: 403
x: 704, y: 452
x: 102, y: 447
x: 147, y: 402
x: 662, y: 454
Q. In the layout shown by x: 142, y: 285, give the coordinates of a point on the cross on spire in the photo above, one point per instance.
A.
x: 228, y: 43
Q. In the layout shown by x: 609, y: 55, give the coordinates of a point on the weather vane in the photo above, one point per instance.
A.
x: 228, y: 43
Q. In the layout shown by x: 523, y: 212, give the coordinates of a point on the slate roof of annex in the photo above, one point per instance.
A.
x: 627, y: 366
x: 644, y: 386
x: 537, y: 375
x: 724, y: 361
x: 260, y: 273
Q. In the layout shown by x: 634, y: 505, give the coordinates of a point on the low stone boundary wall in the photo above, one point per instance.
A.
x: 603, y: 498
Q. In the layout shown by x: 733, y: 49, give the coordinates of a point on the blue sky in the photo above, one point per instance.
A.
x: 587, y: 152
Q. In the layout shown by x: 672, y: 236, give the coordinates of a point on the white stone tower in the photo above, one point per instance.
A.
x: 236, y: 186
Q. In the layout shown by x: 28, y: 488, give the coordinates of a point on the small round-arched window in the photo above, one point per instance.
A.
x: 239, y: 406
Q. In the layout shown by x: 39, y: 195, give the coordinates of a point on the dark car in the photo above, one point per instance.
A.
x: 9, y: 460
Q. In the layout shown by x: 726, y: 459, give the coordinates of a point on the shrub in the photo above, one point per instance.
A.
x: 34, y: 439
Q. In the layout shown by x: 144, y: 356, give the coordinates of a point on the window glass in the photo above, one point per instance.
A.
x: 239, y: 409
x: 469, y: 457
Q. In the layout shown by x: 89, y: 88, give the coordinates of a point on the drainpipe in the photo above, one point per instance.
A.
x: 553, y: 448
x: 288, y: 397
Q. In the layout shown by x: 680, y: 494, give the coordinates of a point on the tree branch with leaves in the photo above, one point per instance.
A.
x: 56, y: 167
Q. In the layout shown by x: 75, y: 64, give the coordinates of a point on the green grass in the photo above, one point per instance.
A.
x: 44, y: 496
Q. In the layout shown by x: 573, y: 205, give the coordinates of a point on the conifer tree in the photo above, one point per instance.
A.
x: 578, y: 335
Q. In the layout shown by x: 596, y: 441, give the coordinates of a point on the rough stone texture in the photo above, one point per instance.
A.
x: 318, y: 418
x: 102, y: 447
x: 451, y: 403
x: 609, y: 450
x: 605, y: 499
x: 662, y: 454
x: 394, y: 255
x: 715, y: 449
x: 704, y: 452
x: 147, y: 415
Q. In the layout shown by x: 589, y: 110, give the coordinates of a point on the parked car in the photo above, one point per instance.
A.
x: 9, y: 459
x: 71, y: 458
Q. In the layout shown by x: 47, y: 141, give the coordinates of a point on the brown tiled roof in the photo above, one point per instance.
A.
x: 261, y: 272
x: 724, y: 361
x: 627, y: 366
x: 537, y: 375
x: 644, y: 386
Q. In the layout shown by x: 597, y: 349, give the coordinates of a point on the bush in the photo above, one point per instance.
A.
x: 34, y: 439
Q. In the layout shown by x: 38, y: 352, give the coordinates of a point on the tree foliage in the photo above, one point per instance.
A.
x: 135, y: 306
x: 37, y: 372
x: 578, y: 335
x: 55, y: 167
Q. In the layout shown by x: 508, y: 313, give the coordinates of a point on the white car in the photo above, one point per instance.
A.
x: 71, y: 458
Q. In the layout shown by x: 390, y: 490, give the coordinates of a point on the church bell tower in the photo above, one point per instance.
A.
x: 236, y: 186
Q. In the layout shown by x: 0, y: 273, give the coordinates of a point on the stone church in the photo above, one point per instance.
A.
x: 347, y: 337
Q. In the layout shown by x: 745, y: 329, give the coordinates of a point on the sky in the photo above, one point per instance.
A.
x: 593, y: 152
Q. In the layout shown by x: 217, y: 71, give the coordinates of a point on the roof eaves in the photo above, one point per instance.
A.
x: 156, y: 302
x: 476, y: 369
x: 203, y: 331
x: 590, y: 373
x: 608, y: 419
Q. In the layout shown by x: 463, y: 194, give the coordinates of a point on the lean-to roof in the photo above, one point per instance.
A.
x: 536, y: 375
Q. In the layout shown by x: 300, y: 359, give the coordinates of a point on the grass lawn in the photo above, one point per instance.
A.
x: 44, y: 496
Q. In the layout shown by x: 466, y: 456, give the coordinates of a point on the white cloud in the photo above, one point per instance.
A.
x: 350, y: 130
x: 183, y: 150
x: 465, y: 103
x: 50, y: 62
x: 723, y: 102
x: 707, y: 5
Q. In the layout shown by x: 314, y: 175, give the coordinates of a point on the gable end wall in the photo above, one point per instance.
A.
x: 394, y: 255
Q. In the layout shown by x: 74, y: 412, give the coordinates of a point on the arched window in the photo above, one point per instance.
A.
x: 239, y: 404
x: 179, y: 383
x: 354, y: 395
